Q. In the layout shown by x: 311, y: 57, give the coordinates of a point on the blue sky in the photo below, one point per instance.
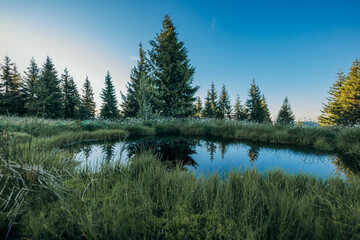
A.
x: 291, y: 48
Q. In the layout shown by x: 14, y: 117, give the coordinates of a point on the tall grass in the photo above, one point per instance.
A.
x: 29, y: 178
x: 146, y: 200
x: 44, y: 196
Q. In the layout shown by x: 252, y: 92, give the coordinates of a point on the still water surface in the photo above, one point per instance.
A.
x: 203, y: 156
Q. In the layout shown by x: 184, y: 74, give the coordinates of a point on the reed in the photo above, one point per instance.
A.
x: 145, y: 199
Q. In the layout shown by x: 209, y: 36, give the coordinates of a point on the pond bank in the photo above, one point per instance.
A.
x: 340, y: 139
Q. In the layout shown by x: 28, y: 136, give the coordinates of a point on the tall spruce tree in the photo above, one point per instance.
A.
x: 11, y: 82
x: 71, y: 98
x: 264, y: 106
x: 211, y: 104
x: 198, y: 108
x: 344, y: 102
x: 88, y: 106
x: 130, y: 105
x: 207, y: 112
x: 173, y: 74
x: 350, y: 96
x: 332, y: 111
x: 285, y: 115
x: 6, y: 79
x: 254, y: 106
x: 109, y: 108
x: 31, y: 81
x: 224, y: 106
x: 145, y: 96
x: 240, y: 113
x: 48, y: 92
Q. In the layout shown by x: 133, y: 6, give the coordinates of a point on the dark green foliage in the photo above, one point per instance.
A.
x: 267, y: 118
x: 130, y: 105
x: 343, y: 105
x: 49, y: 98
x: 331, y: 112
x: 172, y: 72
x: 240, y: 112
x: 211, y: 104
x: 350, y: 96
x: 198, y: 108
x: 285, y: 115
x: 146, y: 94
x: 87, y: 105
x: 255, y: 105
x: 12, y: 101
x: 31, y: 82
x: 224, y: 106
x: 109, y: 108
x: 6, y: 80
x: 146, y: 200
x: 71, y: 98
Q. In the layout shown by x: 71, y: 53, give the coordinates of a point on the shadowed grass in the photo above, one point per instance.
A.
x: 43, y: 195
x: 146, y: 200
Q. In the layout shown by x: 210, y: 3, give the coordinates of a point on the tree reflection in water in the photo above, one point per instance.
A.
x: 210, y: 148
x: 349, y: 165
x: 86, y: 150
x: 108, y: 151
x: 253, y: 154
x: 222, y: 147
x: 182, y: 151
x: 173, y: 152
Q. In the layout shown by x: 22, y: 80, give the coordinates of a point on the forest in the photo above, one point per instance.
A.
x: 160, y: 86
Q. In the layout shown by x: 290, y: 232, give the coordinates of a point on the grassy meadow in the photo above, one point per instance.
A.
x: 44, y: 196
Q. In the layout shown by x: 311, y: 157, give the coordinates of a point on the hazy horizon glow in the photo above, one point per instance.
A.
x: 290, y: 48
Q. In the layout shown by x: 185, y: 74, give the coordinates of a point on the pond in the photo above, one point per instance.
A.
x: 202, y: 156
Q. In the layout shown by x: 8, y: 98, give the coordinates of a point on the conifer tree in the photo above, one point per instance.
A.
x: 11, y: 82
x: 146, y: 93
x: 332, y: 111
x: 350, y: 96
x: 211, y: 107
x: 240, y: 113
x: 6, y: 79
x: 109, y: 108
x: 88, y: 106
x: 31, y: 81
x: 173, y: 74
x: 71, y: 98
x: 267, y: 118
x: 198, y: 108
x: 254, y: 106
x: 344, y: 102
x: 130, y: 105
x: 224, y: 107
x: 207, y: 112
x: 48, y: 92
x: 285, y: 115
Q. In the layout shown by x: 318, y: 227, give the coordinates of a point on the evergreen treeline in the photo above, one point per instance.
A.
x: 41, y: 92
x: 160, y: 85
x: 255, y: 109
